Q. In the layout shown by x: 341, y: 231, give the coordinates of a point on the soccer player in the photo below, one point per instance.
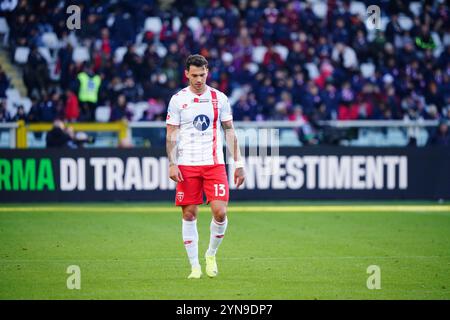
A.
x: 196, y: 161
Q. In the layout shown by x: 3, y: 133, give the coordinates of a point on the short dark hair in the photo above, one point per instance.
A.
x: 196, y: 60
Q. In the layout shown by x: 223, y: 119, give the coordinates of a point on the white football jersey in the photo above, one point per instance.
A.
x: 200, y: 140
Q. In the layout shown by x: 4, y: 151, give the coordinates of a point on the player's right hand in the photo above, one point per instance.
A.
x: 175, y: 173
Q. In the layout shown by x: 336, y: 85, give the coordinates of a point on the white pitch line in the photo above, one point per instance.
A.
x: 300, y: 209
x: 223, y: 259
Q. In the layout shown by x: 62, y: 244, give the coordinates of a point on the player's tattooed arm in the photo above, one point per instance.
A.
x: 171, y: 149
x: 233, y: 147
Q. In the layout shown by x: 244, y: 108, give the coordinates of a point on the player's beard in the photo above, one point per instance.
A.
x: 198, y: 87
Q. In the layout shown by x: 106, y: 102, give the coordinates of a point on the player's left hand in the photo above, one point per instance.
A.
x: 239, y: 177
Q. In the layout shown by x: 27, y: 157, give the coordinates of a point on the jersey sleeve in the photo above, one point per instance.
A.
x: 173, y: 112
x: 226, y: 113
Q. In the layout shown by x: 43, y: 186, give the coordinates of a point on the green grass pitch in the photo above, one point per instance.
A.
x: 290, y: 250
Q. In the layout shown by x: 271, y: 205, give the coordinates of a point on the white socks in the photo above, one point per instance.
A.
x: 190, y: 239
x: 217, y: 234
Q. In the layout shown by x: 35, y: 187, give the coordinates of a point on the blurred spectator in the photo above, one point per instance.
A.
x: 4, y: 83
x: 47, y: 109
x: 442, y: 135
x: 34, y: 112
x: 413, y: 131
x: 279, y: 51
x: 20, y: 114
x: 72, y: 108
x: 243, y: 109
x: 305, y: 132
x: 61, y: 136
x: 88, y: 92
x: 36, y: 75
x: 4, y: 114
x: 58, y: 136
x: 155, y: 109
x: 119, y: 110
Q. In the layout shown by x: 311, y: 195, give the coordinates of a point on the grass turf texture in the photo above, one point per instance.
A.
x: 271, y: 251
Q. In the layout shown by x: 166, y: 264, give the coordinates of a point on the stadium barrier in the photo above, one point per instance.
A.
x: 374, y: 133
x: 141, y: 174
x: 120, y: 127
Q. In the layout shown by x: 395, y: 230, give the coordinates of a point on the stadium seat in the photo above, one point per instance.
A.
x: 153, y: 24
x: 21, y: 55
x: 313, y: 71
x: 289, y: 138
x: 396, y: 137
x: 138, y: 109
x: 359, y: 8
x: 258, y: 54
x: 416, y: 8
x: 50, y: 39
x: 367, y: 69
x: 362, y: 139
x: 81, y: 54
x: 439, y: 45
x: 359, y: 142
x: 161, y: 51
x: 422, y: 137
x: 54, y: 71
x: 12, y: 94
x: 384, y: 22
x: 376, y: 138
x: 320, y: 9
x: 104, y: 139
x: 4, y: 30
x: 13, y: 99
x: 34, y: 142
x: 140, y: 37
x: 405, y: 22
x: 26, y: 103
x: 102, y: 113
x: 5, y: 139
x: 227, y: 57
x: 45, y: 53
x: 140, y: 49
x: 282, y: 51
x: 110, y: 21
x: 119, y: 54
x: 176, y: 24
x: 195, y: 25
x: 253, y: 68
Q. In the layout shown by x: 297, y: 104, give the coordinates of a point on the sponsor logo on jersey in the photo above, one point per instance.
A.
x: 201, y: 122
x: 197, y: 100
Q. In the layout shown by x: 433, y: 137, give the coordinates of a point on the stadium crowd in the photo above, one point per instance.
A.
x: 286, y: 60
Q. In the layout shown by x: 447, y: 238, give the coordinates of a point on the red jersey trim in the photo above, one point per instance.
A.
x: 216, y: 115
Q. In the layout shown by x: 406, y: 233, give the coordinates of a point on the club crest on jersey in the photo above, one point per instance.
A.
x: 180, y: 196
x: 201, y: 122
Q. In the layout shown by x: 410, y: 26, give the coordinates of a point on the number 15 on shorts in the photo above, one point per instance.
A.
x: 219, y: 189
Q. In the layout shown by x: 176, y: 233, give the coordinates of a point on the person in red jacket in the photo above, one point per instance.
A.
x: 72, y: 110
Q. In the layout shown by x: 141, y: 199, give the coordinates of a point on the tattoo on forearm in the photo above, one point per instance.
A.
x: 171, y: 145
x: 171, y: 151
x: 231, y: 140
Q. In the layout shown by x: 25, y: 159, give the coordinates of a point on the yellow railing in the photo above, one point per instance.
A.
x: 120, y: 127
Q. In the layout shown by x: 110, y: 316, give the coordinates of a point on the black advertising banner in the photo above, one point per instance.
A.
x: 141, y: 174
